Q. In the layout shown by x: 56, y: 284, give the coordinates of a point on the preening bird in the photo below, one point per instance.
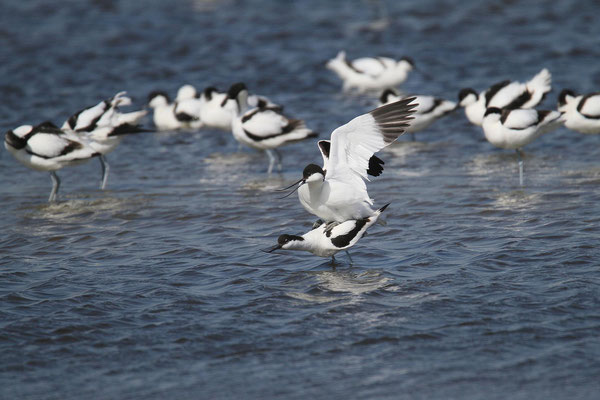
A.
x: 505, y: 94
x: 513, y: 129
x: 581, y: 113
x: 370, y: 73
x: 45, y: 147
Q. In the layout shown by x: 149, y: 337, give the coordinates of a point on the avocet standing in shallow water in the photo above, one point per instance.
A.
x: 429, y: 110
x: 263, y: 128
x: 45, y: 147
x: 513, y: 129
x: 328, y: 238
x: 103, y: 127
x: 340, y: 193
x: 505, y: 94
x: 370, y: 73
x: 581, y: 113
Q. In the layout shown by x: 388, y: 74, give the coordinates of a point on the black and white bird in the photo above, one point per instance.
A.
x: 164, y: 112
x: 513, y: 129
x: 187, y: 108
x: 581, y: 113
x: 505, y: 94
x: 429, y: 110
x: 45, y: 147
x: 339, y: 193
x: 328, y: 238
x: 103, y: 127
x: 263, y: 128
x: 216, y: 111
x: 370, y: 73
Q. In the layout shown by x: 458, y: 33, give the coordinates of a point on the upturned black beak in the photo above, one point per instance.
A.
x: 288, y: 187
x: 299, y: 183
x: 271, y: 249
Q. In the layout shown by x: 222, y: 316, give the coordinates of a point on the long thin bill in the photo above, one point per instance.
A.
x: 271, y: 249
x: 286, y: 188
x: 292, y: 192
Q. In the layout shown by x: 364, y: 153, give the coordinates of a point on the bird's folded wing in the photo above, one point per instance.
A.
x: 519, y: 119
x: 265, y: 123
x: 49, y: 145
x: 353, y: 144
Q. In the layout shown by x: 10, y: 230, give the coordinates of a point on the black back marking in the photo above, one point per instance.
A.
x: 493, y: 90
x: 352, y: 67
x: 46, y: 127
x: 185, y: 117
x: 249, y: 115
x: 126, y: 129
x: 292, y: 124
x: 582, y: 103
x: 519, y: 101
x: 504, y: 113
x: 344, y: 240
x: 436, y: 103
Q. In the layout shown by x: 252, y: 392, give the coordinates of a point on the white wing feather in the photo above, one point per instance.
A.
x: 353, y: 144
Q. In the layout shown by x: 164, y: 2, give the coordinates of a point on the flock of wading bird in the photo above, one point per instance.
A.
x: 335, y: 192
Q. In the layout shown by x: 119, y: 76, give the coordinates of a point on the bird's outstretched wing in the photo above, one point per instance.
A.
x: 353, y: 144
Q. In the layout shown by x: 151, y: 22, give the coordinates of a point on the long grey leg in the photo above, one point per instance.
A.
x: 279, y: 158
x: 332, y: 260
x: 105, y: 169
x: 55, y: 186
x: 520, y: 155
x: 350, y: 258
x: 271, y: 160
x: 413, y: 137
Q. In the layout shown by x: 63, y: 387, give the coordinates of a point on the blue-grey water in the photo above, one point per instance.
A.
x: 155, y: 288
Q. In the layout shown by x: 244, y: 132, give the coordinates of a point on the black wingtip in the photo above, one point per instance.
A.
x: 392, y: 119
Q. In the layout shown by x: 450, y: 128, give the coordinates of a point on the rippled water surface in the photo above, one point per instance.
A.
x: 156, y: 288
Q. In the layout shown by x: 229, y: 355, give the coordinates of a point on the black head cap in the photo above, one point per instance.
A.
x: 312, y: 169
x: 562, y: 97
x: 15, y: 141
x: 283, y: 239
x: 465, y: 92
x: 387, y: 93
x: 235, y: 89
x: 408, y: 60
x: 209, y: 91
x: 492, y: 110
x: 158, y: 93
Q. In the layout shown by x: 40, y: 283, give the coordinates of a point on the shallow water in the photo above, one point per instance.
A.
x: 155, y: 288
